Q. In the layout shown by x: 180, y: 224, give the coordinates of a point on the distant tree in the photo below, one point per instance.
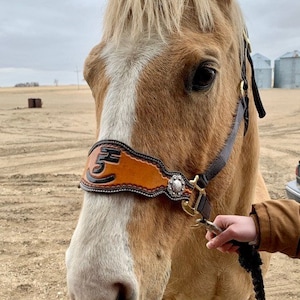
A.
x: 27, y: 84
x: 56, y: 82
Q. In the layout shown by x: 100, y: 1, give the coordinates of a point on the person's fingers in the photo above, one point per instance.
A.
x: 229, y: 248
x: 219, y: 240
x: 209, y: 235
x: 225, y: 248
x: 234, y: 249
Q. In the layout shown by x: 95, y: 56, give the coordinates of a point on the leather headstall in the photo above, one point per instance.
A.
x: 113, y: 166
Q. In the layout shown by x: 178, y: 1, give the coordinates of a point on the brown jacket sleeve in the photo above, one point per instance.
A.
x: 278, y: 223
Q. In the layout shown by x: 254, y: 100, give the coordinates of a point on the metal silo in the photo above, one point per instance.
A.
x: 263, y: 71
x: 287, y: 71
x: 277, y: 78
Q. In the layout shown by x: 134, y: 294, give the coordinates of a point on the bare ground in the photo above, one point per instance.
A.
x: 42, y: 153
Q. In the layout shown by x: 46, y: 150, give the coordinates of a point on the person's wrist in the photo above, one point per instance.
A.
x: 255, y: 242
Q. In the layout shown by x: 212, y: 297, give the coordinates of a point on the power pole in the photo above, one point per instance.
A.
x: 77, y: 72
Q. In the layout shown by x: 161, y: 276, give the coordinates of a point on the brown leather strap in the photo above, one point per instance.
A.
x: 114, y: 167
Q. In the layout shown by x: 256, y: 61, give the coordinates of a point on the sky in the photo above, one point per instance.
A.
x: 47, y: 41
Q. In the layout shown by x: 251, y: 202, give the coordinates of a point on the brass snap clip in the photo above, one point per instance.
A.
x: 190, y: 206
x: 210, y: 226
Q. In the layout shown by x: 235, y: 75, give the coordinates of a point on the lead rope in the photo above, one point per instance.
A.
x: 249, y: 259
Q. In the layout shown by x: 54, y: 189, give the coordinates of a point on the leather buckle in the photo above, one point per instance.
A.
x: 191, y: 206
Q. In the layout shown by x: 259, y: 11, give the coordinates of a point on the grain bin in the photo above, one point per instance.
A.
x: 287, y: 71
x: 263, y: 71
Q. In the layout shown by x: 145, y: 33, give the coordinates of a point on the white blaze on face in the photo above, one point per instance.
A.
x: 99, y: 259
x: 124, y: 64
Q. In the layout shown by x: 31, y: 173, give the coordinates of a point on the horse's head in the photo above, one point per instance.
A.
x: 166, y: 80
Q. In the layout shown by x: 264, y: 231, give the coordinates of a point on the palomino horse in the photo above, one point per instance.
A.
x: 166, y: 79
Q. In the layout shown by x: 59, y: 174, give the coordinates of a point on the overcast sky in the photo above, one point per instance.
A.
x: 43, y: 40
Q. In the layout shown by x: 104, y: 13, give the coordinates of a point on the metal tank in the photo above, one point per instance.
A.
x: 263, y: 71
x: 287, y: 71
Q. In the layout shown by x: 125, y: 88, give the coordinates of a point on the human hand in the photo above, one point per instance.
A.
x: 238, y: 228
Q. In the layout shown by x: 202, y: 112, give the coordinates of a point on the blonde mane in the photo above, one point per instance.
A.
x: 160, y: 16
x: 138, y: 16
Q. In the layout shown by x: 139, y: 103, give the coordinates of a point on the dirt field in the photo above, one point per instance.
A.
x: 42, y: 153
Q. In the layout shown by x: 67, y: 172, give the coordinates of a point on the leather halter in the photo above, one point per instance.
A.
x: 114, y: 167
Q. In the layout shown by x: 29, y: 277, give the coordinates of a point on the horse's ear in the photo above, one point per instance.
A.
x: 91, y: 66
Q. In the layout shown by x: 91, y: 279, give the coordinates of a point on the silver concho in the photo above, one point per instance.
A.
x: 176, y: 185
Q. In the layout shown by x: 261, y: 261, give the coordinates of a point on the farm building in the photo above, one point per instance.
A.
x: 263, y: 71
x: 287, y: 71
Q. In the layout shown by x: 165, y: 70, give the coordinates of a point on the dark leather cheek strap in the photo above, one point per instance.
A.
x: 221, y: 160
x: 114, y: 167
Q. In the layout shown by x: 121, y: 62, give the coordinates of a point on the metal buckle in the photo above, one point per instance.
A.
x: 190, y: 207
x: 244, y: 92
x: 210, y: 226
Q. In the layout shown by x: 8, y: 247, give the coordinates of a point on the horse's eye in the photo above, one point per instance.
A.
x: 203, y: 78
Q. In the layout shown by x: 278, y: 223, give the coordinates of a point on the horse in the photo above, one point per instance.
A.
x: 177, y: 144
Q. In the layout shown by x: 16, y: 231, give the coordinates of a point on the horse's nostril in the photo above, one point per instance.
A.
x: 124, y: 292
x: 121, y: 296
